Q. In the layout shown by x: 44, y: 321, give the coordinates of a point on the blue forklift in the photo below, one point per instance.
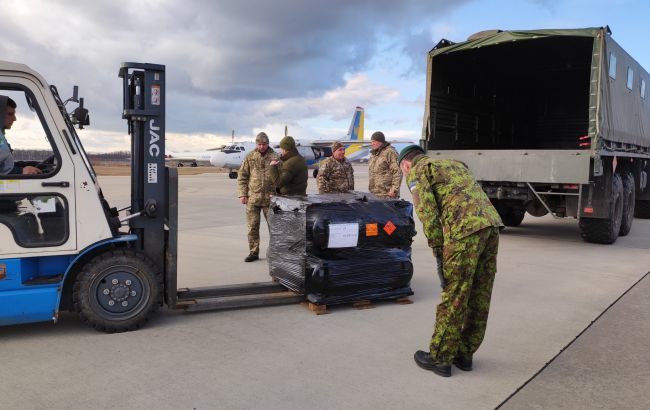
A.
x: 64, y: 248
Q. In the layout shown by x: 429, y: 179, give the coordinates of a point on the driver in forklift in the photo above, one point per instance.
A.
x: 7, y: 165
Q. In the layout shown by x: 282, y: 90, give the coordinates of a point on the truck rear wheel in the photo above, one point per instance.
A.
x: 511, y: 215
x: 117, y: 291
x: 606, y: 230
x: 628, y: 204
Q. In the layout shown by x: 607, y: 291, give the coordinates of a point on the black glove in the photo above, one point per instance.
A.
x: 441, y: 275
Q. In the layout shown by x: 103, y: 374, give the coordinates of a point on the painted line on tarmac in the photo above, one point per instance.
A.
x: 570, y: 343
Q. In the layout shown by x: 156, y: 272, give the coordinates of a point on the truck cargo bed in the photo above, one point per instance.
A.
x: 522, y: 95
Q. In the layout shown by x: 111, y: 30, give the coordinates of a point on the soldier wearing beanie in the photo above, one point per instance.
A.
x: 462, y: 227
x: 290, y: 174
x: 336, y: 173
x: 255, y: 188
x: 385, y: 176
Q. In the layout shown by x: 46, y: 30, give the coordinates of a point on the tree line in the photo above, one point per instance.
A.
x: 94, y: 157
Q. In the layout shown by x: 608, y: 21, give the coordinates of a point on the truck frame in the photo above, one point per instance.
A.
x: 64, y: 248
x: 549, y: 121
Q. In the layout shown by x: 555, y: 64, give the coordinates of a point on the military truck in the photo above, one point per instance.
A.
x: 549, y: 121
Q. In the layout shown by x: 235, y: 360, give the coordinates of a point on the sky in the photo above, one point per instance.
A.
x: 258, y: 65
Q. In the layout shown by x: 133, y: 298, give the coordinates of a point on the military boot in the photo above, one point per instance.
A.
x: 425, y: 361
x: 463, y: 363
x: 251, y: 257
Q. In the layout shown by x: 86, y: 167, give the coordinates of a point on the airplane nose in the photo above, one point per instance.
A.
x: 218, y: 159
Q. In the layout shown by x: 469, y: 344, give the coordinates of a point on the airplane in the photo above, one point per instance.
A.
x: 194, y: 158
x: 314, y: 151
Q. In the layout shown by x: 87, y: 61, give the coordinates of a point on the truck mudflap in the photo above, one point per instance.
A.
x: 544, y: 166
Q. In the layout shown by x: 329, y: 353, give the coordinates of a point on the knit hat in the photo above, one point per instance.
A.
x: 378, y: 136
x: 406, y: 150
x: 336, y: 146
x: 262, y: 138
x: 287, y: 143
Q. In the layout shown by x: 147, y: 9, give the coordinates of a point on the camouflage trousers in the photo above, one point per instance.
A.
x: 253, y: 221
x: 469, y: 267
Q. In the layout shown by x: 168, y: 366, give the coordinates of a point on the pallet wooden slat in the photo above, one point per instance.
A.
x: 357, y: 304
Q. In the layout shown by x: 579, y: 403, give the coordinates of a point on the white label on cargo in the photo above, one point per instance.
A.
x: 343, y: 235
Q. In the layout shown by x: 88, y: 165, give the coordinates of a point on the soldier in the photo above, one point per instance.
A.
x: 336, y: 173
x: 7, y: 165
x: 289, y: 175
x: 462, y: 227
x: 255, y: 189
x: 384, y: 173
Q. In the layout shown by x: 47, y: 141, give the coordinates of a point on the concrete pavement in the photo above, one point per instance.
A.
x: 550, y: 286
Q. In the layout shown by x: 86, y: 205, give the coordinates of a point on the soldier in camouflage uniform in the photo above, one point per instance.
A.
x: 255, y: 188
x: 336, y: 173
x: 462, y: 227
x: 384, y: 173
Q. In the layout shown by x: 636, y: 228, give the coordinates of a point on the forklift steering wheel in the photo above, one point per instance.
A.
x: 47, y: 164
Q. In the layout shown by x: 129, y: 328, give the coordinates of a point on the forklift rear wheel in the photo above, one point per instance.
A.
x: 117, y: 291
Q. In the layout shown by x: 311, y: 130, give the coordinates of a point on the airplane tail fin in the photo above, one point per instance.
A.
x: 356, y: 126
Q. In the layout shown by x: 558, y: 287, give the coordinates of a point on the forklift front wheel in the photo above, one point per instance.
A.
x: 117, y: 291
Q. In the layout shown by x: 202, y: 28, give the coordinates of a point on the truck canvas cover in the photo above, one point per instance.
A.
x: 536, y: 91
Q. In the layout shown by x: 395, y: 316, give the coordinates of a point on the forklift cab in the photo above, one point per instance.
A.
x: 33, y: 215
x: 41, y: 214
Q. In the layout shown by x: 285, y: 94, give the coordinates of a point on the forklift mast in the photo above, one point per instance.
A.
x: 153, y: 186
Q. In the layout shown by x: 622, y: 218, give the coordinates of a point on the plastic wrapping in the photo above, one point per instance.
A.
x: 336, y: 248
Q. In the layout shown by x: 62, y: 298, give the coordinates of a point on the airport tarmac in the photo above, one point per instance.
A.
x: 550, y: 287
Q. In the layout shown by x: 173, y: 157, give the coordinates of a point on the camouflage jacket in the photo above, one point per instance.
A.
x: 254, y: 179
x: 448, y: 201
x: 290, y: 177
x: 335, y: 176
x: 383, y: 171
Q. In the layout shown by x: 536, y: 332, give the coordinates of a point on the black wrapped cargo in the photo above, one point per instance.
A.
x: 336, y: 248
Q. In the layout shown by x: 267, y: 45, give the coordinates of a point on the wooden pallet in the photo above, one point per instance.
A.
x: 357, y: 304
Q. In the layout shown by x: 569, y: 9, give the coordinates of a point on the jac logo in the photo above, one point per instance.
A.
x: 154, y: 138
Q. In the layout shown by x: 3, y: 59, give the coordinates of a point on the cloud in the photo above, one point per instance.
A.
x: 225, y: 60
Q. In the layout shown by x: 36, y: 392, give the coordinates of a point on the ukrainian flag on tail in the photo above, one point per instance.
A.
x: 355, y: 133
